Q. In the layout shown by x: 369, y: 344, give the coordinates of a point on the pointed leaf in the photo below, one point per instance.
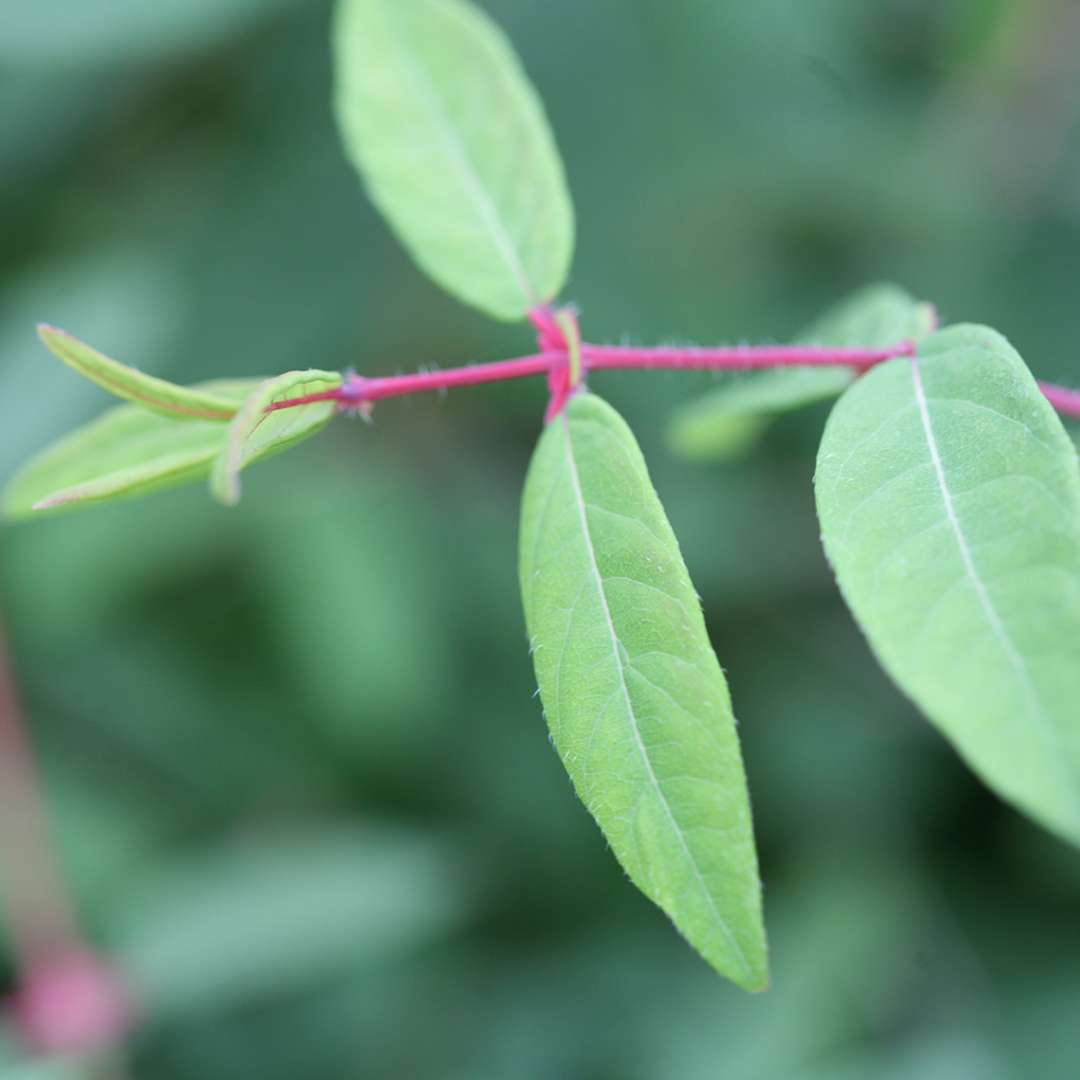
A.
x: 875, y: 316
x: 255, y: 433
x: 728, y: 420
x: 637, y: 704
x: 157, y: 395
x: 126, y: 452
x: 949, y: 501
x: 451, y: 139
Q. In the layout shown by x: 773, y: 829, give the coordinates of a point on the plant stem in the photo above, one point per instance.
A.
x: 737, y: 358
x: 1066, y: 401
x: 363, y: 389
x: 358, y: 391
x: 67, y: 998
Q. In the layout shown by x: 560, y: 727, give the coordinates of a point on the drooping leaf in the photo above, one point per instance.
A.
x: 729, y: 419
x: 157, y: 395
x: 949, y: 500
x: 636, y: 702
x: 255, y: 433
x: 451, y: 139
x: 127, y: 451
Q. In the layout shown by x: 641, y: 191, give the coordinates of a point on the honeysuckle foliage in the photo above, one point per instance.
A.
x: 947, y: 488
x: 638, y: 707
x: 453, y: 145
x: 130, y: 450
x: 728, y: 420
x: 949, y: 499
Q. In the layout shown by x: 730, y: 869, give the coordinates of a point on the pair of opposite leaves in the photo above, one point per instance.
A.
x: 963, y: 575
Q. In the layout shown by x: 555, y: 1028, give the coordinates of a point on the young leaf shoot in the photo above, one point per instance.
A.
x: 128, y: 451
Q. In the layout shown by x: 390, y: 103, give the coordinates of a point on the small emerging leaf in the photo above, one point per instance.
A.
x: 451, y: 139
x: 255, y: 433
x: 728, y: 420
x: 157, y: 395
x: 124, y: 453
x: 949, y: 500
x: 636, y: 702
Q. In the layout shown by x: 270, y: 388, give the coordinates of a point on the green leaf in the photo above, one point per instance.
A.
x: 451, y: 139
x: 635, y: 699
x: 728, y: 420
x: 875, y: 316
x: 157, y: 395
x: 949, y: 501
x: 127, y: 451
x: 255, y: 433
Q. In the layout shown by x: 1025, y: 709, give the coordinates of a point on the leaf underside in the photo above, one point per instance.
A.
x: 949, y: 501
x: 636, y: 702
x: 451, y: 139
x: 254, y: 434
x: 728, y: 420
x: 128, y: 451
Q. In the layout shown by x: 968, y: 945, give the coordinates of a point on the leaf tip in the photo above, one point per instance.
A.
x: 51, y: 502
x: 46, y: 332
x: 749, y: 968
x: 226, y: 489
x: 757, y: 982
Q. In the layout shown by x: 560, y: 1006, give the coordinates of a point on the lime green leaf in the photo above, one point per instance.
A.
x: 157, y: 395
x: 126, y: 452
x: 949, y: 501
x: 255, y: 433
x: 728, y: 420
x: 635, y: 699
x: 451, y: 139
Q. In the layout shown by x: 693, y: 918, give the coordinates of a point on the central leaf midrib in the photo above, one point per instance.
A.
x: 1037, y: 710
x: 594, y: 568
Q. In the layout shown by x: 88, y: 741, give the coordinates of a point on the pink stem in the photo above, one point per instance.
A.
x: 549, y: 333
x: 358, y: 390
x: 68, y: 999
x: 39, y: 909
x: 739, y: 357
x: 1067, y: 402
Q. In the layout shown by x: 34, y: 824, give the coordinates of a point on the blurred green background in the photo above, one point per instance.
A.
x: 298, y: 778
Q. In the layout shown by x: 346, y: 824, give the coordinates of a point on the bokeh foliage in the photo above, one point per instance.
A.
x: 298, y: 776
